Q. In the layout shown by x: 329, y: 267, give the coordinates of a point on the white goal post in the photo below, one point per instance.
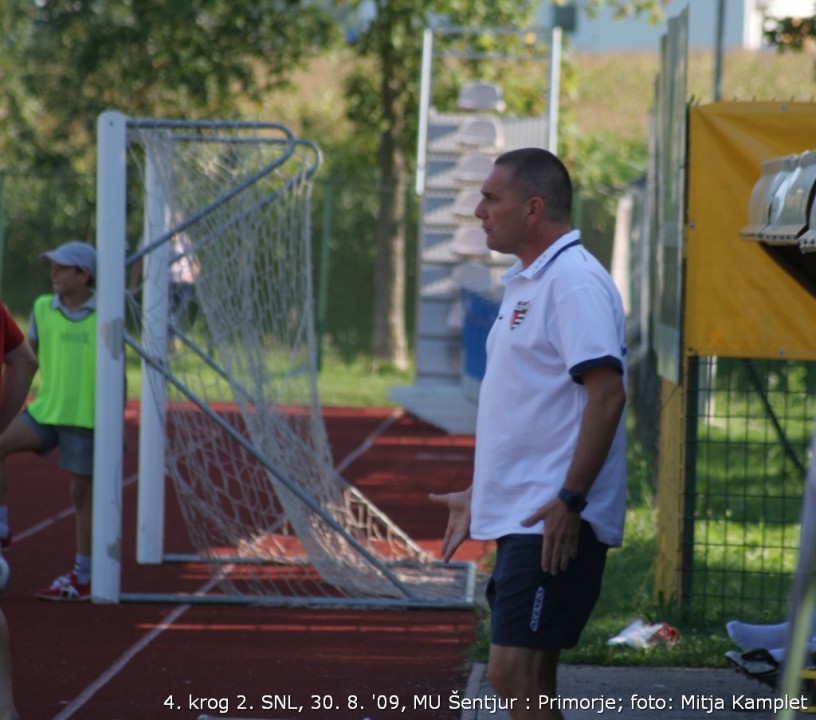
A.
x: 111, y: 242
x: 204, y: 271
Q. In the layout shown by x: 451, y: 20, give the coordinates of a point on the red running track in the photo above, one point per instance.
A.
x: 150, y: 662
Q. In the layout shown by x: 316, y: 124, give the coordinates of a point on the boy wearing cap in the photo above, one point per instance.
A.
x: 62, y: 331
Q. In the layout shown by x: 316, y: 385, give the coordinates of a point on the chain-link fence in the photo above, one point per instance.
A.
x: 746, y: 446
x: 750, y: 424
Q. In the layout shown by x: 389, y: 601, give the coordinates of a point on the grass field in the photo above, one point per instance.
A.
x: 607, y: 95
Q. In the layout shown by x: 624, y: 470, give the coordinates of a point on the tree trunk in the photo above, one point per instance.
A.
x: 389, y: 341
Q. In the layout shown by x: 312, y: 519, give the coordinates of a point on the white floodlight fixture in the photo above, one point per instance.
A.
x: 789, y: 204
x: 773, y: 172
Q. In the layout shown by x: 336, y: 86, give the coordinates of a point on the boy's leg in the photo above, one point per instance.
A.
x: 82, y: 496
x: 76, y: 457
x: 76, y: 585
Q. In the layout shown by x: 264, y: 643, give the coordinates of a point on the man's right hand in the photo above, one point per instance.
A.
x: 458, y: 530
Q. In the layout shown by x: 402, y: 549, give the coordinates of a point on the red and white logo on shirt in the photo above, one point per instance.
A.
x: 519, y: 313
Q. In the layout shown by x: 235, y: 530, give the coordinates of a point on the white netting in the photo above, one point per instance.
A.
x: 234, y: 371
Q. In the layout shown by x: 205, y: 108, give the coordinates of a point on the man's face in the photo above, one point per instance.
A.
x: 67, y: 279
x: 502, y: 213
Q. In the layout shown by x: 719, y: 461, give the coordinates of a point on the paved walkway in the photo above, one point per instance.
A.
x: 638, y: 693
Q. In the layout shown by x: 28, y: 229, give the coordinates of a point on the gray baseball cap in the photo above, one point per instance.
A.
x: 74, y: 254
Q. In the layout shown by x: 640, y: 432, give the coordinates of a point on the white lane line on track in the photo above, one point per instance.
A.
x: 80, y: 700
x: 121, y: 662
x: 117, y: 666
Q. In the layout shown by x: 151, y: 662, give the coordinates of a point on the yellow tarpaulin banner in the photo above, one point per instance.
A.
x: 740, y: 300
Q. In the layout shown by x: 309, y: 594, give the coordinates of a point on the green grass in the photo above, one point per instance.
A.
x: 358, y: 384
x: 628, y: 594
x: 340, y: 384
x: 612, y: 94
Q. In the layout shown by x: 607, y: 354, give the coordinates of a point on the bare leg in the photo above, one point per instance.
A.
x: 82, y: 496
x: 528, y: 678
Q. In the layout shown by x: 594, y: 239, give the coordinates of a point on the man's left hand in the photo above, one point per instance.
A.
x: 561, y: 530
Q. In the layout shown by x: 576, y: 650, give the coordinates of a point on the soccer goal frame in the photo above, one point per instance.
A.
x: 400, y: 574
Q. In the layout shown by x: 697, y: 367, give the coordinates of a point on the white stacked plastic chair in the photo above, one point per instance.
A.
x: 464, y: 204
x: 472, y: 168
x: 481, y: 96
x: 470, y: 241
x: 481, y: 132
x: 807, y: 241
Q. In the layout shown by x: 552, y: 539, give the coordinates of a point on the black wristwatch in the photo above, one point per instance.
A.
x: 574, y: 500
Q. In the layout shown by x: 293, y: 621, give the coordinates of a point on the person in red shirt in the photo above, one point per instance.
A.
x: 19, y: 364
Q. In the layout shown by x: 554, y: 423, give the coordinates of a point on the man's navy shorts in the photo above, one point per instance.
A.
x: 537, y: 610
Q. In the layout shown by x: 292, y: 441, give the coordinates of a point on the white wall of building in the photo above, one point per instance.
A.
x: 743, y: 25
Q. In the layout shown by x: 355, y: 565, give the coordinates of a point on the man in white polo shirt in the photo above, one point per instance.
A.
x: 549, y: 482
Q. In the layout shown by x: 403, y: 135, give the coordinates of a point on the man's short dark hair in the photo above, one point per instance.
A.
x: 538, y: 173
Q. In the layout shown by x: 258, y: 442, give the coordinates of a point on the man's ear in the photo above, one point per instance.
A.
x: 535, y: 207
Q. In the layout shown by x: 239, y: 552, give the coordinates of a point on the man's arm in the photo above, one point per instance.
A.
x: 458, y: 528
x: 20, y: 366
x: 606, y: 398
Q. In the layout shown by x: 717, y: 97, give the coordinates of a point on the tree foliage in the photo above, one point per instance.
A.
x: 792, y: 33
x: 652, y: 9
x: 65, y: 61
x: 382, y: 98
x: 62, y: 62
